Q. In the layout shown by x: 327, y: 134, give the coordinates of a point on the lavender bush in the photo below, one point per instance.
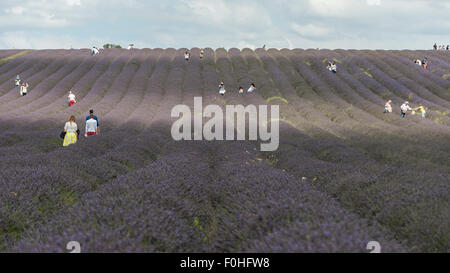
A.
x: 344, y: 174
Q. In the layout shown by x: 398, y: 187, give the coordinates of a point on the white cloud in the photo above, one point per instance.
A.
x: 15, y: 10
x: 41, y: 13
x: 343, y: 8
x: 310, y: 30
x: 166, y: 39
x: 26, y: 40
x: 73, y: 2
x: 290, y: 44
x: 374, y: 2
x: 225, y: 23
x: 224, y: 14
x: 337, y: 8
x: 245, y: 44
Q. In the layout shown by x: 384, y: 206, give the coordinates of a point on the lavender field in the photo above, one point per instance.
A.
x: 345, y: 173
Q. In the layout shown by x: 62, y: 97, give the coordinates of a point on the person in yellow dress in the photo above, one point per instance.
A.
x: 71, y: 132
x: 421, y: 109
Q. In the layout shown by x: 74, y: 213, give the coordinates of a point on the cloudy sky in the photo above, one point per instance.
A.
x: 359, y: 24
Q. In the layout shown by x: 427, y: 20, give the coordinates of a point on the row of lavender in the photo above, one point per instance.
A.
x: 171, y: 81
x: 132, y: 233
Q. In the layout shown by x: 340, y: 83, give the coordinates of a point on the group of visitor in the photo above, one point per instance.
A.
x: 23, y: 86
x: 404, y: 108
x: 71, y: 131
x: 441, y: 47
x: 222, y: 90
x: 423, y: 63
x: 332, y: 67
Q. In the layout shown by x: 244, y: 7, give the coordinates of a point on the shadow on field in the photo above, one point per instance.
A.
x: 136, y: 189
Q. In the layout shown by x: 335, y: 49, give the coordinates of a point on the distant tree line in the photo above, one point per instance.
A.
x: 105, y: 46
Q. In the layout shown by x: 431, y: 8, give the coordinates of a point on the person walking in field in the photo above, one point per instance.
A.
x: 241, y: 91
x: 448, y: 47
x: 91, y: 113
x: 251, y: 88
x: 222, y: 89
x: 202, y: 53
x: 24, y: 89
x: 91, y: 126
x: 388, y: 107
x: 425, y: 63
x: 95, y: 51
x: 404, y: 109
x: 71, y: 98
x: 421, y: 109
x: 71, y: 130
x: 435, y: 46
x: 17, y: 81
x: 332, y: 67
x: 187, y: 56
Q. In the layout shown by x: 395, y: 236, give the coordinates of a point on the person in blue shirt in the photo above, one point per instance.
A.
x: 91, y: 112
x: 17, y: 81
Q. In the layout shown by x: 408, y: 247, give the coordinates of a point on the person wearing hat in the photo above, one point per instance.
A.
x: 91, y: 113
x: 404, y: 108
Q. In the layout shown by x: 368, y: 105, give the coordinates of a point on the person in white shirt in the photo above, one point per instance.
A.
x: 222, y: 89
x: 24, y: 89
x: 71, y: 98
x: 91, y: 126
x: 404, y: 109
x: 252, y: 88
x: 418, y: 62
x: 130, y: 46
x: 95, y: 51
x: 333, y: 67
x: 329, y: 66
x: 71, y: 130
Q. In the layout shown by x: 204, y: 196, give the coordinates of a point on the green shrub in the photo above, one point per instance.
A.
x: 105, y: 46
